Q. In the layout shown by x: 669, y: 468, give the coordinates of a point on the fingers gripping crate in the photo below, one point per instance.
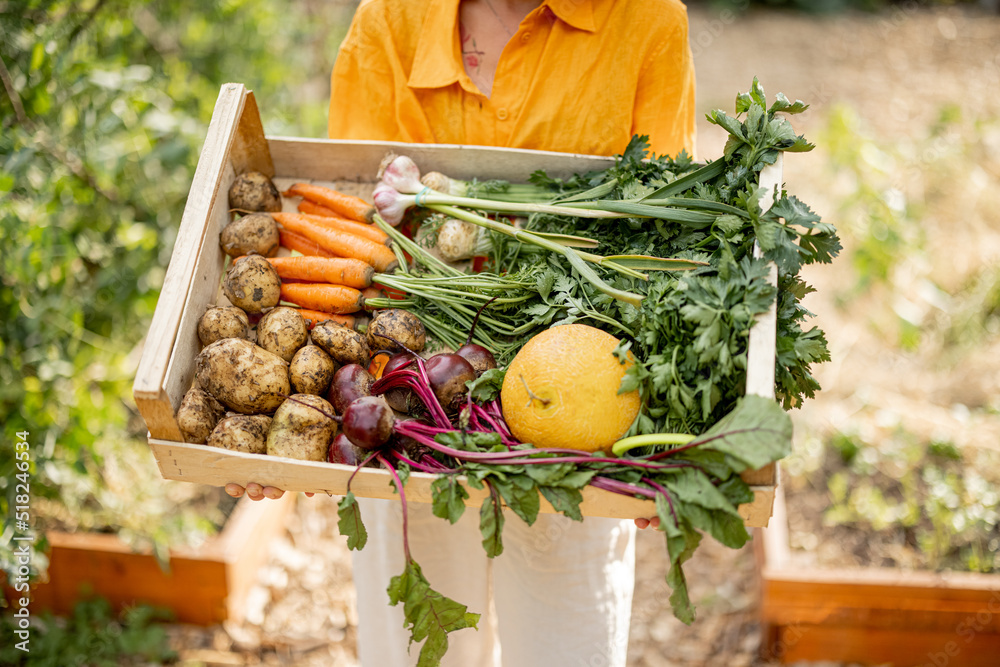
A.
x: 235, y: 144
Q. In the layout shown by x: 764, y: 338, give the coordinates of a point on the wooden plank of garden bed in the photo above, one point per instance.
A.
x: 203, y: 585
x: 83, y: 564
x: 898, y: 648
x: 872, y: 615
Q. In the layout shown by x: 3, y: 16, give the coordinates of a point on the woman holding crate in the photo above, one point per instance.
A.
x: 575, y: 76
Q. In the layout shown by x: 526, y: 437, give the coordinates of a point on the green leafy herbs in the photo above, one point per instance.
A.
x: 350, y: 524
x: 705, y: 498
x: 91, y: 634
x: 448, y: 498
x: 429, y: 615
x: 691, y: 344
x: 685, y: 332
x: 491, y: 522
x: 487, y: 386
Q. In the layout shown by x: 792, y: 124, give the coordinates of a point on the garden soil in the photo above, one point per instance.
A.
x: 896, y: 71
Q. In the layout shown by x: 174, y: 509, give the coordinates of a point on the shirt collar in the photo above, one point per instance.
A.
x: 437, y: 61
x: 577, y: 13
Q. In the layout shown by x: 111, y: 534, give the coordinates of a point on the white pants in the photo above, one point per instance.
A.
x: 559, y: 595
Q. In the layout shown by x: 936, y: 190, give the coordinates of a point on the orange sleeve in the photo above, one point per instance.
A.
x: 665, y: 97
x: 362, y: 85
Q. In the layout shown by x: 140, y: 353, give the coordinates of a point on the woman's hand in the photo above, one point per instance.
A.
x: 255, y: 491
x: 642, y: 524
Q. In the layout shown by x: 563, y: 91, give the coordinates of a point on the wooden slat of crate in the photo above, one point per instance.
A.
x: 166, y: 369
x: 204, y: 585
x: 872, y: 615
x: 233, y: 142
x: 209, y: 465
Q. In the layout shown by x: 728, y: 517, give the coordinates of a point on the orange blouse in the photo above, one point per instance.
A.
x: 579, y: 76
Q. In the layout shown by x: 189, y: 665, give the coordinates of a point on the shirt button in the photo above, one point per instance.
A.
x: 525, y: 37
x: 502, y: 114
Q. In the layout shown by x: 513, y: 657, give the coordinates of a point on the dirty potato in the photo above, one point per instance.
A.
x: 220, y: 322
x: 346, y: 346
x: 198, y: 414
x: 252, y: 284
x: 253, y: 191
x: 283, y: 332
x: 399, y: 325
x: 241, y: 433
x: 254, y: 234
x: 244, y: 377
x: 311, y: 370
x: 302, y: 428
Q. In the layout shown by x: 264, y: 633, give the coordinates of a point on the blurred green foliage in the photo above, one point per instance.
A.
x: 900, y: 200
x: 924, y: 492
x: 92, y: 635
x: 881, y: 220
x: 104, y: 105
x: 914, y: 501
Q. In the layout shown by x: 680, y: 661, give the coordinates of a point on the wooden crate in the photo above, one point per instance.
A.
x: 236, y: 143
x: 872, y: 616
x: 204, y: 585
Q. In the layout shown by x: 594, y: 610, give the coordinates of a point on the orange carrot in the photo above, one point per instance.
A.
x: 342, y: 224
x: 336, y: 270
x: 394, y: 293
x: 322, y: 297
x: 312, y: 208
x: 299, y: 243
x: 340, y: 243
x: 314, y: 317
x: 374, y: 292
x: 349, y: 206
x: 377, y: 364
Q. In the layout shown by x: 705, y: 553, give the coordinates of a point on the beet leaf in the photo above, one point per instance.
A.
x: 428, y: 615
x: 350, y: 524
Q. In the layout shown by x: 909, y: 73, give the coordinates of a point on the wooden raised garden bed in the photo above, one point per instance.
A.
x: 204, y: 585
x: 235, y: 144
x: 872, y: 616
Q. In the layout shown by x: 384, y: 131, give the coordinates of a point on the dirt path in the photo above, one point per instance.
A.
x: 897, y: 71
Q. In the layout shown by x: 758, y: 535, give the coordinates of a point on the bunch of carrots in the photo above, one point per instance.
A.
x: 340, y: 251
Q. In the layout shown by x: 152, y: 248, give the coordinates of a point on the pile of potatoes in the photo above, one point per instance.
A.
x: 269, y: 387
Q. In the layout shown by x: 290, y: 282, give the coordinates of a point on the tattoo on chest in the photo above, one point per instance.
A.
x: 472, y: 55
